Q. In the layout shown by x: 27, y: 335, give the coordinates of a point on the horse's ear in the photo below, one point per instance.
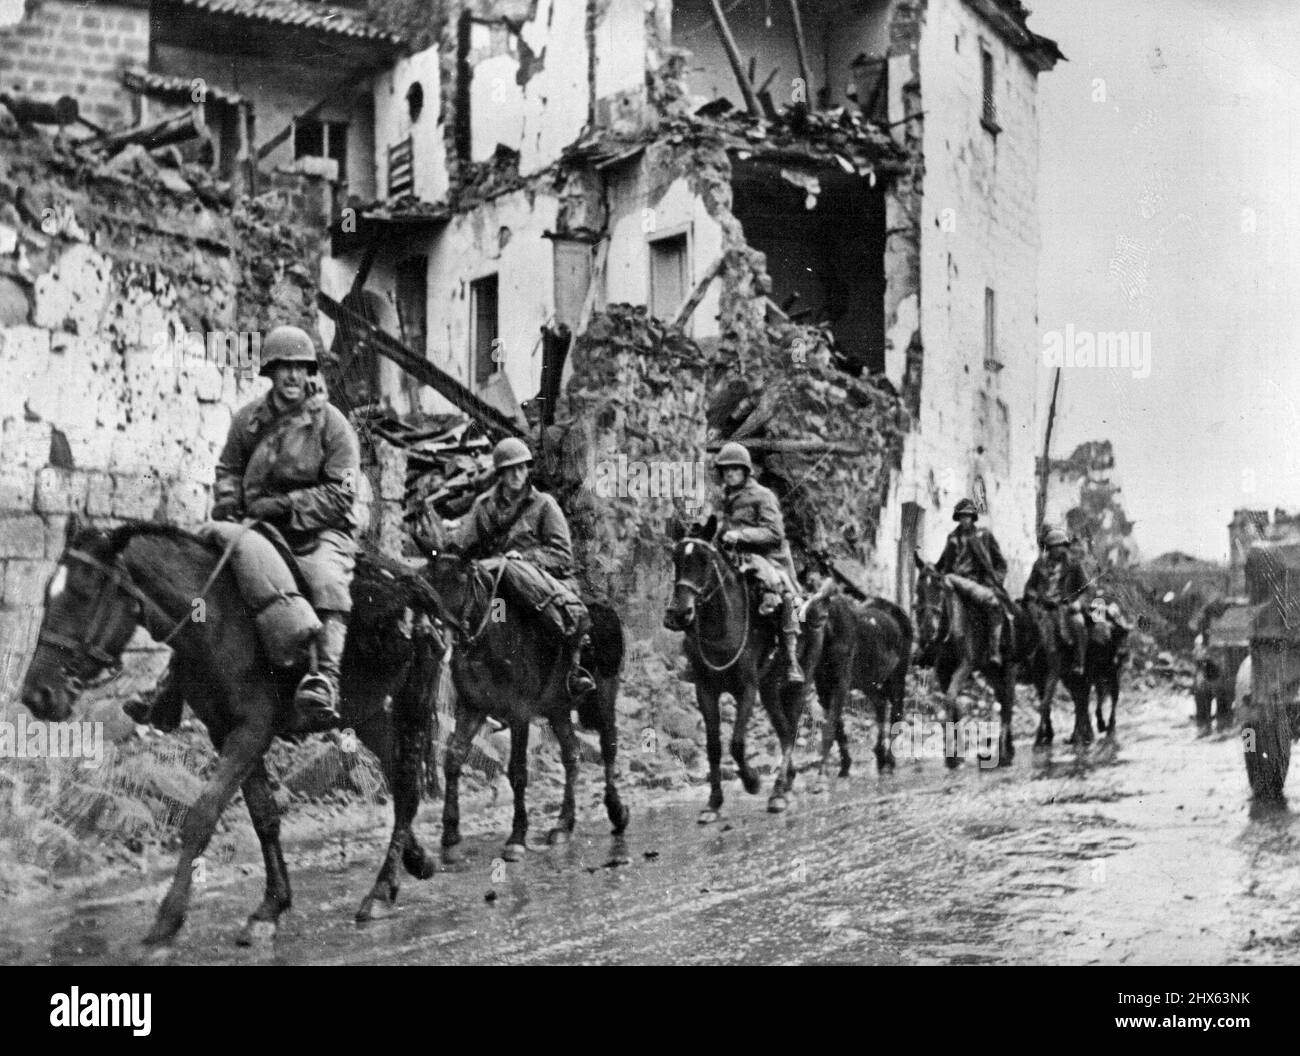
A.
x: 710, y: 527
x: 916, y: 557
x: 676, y: 530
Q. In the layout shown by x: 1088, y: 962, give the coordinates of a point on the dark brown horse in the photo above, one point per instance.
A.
x: 734, y: 650
x: 1048, y: 666
x: 955, y: 656
x: 506, y: 664
x: 864, y: 646
x: 152, y: 575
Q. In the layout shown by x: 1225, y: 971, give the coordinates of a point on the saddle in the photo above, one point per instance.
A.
x: 272, y: 586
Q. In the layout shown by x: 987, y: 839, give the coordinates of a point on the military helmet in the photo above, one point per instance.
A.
x: 288, y: 344
x: 510, y: 452
x: 1056, y: 537
x: 734, y: 454
x: 964, y: 508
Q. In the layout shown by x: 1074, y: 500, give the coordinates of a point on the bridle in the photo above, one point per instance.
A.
x: 717, y: 566
x: 459, y: 623
x: 934, y: 610
x: 90, y: 647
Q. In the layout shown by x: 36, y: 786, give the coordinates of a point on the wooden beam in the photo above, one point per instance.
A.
x: 697, y: 295
x: 802, y: 49
x: 161, y: 133
x: 361, y: 330
x: 284, y: 133
x: 1045, y: 470
x: 733, y: 56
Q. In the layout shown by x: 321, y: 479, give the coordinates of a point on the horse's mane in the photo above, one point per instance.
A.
x: 120, y: 537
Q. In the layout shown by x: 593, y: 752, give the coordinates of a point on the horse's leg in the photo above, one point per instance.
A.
x: 468, y: 723
x: 1046, y: 694
x: 897, y: 691
x: 517, y: 842
x: 953, y: 694
x: 744, y: 708
x: 562, y: 725
x: 402, y: 845
x: 775, y: 706
x: 614, y: 807
x: 707, y: 700
x: 241, y: 749
x: 1007, y: 698
x: 1080, y: 694
x: 830, y: 692
x: 266, y: 823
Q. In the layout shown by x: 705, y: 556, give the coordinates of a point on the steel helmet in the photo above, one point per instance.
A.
x: 510, y: 452
x: 288, y: 344
x: 1056, y: 537
x: 734, y: 454
x: 964, y: 508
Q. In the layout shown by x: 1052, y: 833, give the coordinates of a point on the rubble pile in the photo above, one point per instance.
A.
x: 626, y: 454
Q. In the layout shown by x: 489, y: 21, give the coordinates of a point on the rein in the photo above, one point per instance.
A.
x: 703, y: 596
x: 458, y: 623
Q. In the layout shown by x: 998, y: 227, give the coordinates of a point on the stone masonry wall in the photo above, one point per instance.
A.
x: 80, y: 50
x: 105, y: 411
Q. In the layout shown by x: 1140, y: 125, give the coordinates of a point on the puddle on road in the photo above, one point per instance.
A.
x: 1145, y: 852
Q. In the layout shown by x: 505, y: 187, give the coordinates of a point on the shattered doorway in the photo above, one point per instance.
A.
x: 823, y: 233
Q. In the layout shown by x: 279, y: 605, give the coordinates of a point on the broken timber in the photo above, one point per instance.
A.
x: 360, y: 329
x: 697, y: 295
x: 733, y: 56
x: 178, y: 129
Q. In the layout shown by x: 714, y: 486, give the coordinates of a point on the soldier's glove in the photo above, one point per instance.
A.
x: 731, y: 537
x: 225, y: 511
x: 270, y: 508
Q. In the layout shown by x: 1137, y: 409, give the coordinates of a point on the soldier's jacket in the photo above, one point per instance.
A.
x: 976, y: 556
x: 540, y: 533
x: 755, y: 513
x: 1056, y: 586
x: 310, y: 455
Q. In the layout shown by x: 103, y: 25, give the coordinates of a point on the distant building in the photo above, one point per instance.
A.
x: 1246, y: 526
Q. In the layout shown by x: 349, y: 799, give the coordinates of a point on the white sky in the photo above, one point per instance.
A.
x: 1201, y: 122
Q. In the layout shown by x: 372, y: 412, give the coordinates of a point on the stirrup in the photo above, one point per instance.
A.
x: 579, y: 683
x: 315, y: 705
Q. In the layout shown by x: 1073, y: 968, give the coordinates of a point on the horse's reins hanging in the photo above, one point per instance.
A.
x: 701, y: 597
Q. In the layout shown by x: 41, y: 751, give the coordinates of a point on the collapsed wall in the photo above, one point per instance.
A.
x: 132, y: 304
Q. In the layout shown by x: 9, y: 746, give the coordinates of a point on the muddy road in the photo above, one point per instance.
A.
x: 1144, y: 851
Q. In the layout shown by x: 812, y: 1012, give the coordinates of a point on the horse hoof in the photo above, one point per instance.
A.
x: 619, y: 819
x: 256, y: 933
x: 886, y: 766
x: 376, y: 907
x: 751, y: 783
x: 453, y: 855
x: 514, y: 852
x: 419, y: 864
x: 559, y: 837
x: 707, y: 816
x: 1004, y: 760
x: 777, y: 805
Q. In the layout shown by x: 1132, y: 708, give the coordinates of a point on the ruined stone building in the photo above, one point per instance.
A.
x: 569, y: 206
x: 541, y: 160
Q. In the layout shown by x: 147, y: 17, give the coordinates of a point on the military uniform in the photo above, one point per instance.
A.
x: 1055, y: 588
x: 973, y: 565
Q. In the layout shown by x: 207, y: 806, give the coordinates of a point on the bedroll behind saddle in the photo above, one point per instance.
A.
x: 538, y: 591
x: 286, y: 621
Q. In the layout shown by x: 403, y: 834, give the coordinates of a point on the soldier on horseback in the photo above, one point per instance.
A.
x: 291, y: 460
x: 750, y: 522
x: 516, y: 521
x: 973, y: 566
x: 1055, y: 592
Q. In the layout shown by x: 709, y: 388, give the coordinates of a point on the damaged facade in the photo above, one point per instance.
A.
x: 864, y: 204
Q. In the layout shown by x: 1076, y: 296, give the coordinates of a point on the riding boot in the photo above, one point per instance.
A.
x: 316, y: 700
x: 790, y: 632
x: 995, y: 638
x: 579, y: 682
x: 163, y: 712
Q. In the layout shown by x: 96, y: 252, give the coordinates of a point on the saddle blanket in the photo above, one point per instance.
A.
x: 285, y: 620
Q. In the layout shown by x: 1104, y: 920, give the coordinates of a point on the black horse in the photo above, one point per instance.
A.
x: 862, y: 645
x: 506, y: 664
x: 955, y: 656
x: 734, y: 650
x: 147, y: 574
x: 1047, y: 668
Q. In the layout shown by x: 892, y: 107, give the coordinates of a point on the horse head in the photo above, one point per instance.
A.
x: 451, y: 574
x: 929, y: 604
x: 91, y: 611
x: 696, y: 575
